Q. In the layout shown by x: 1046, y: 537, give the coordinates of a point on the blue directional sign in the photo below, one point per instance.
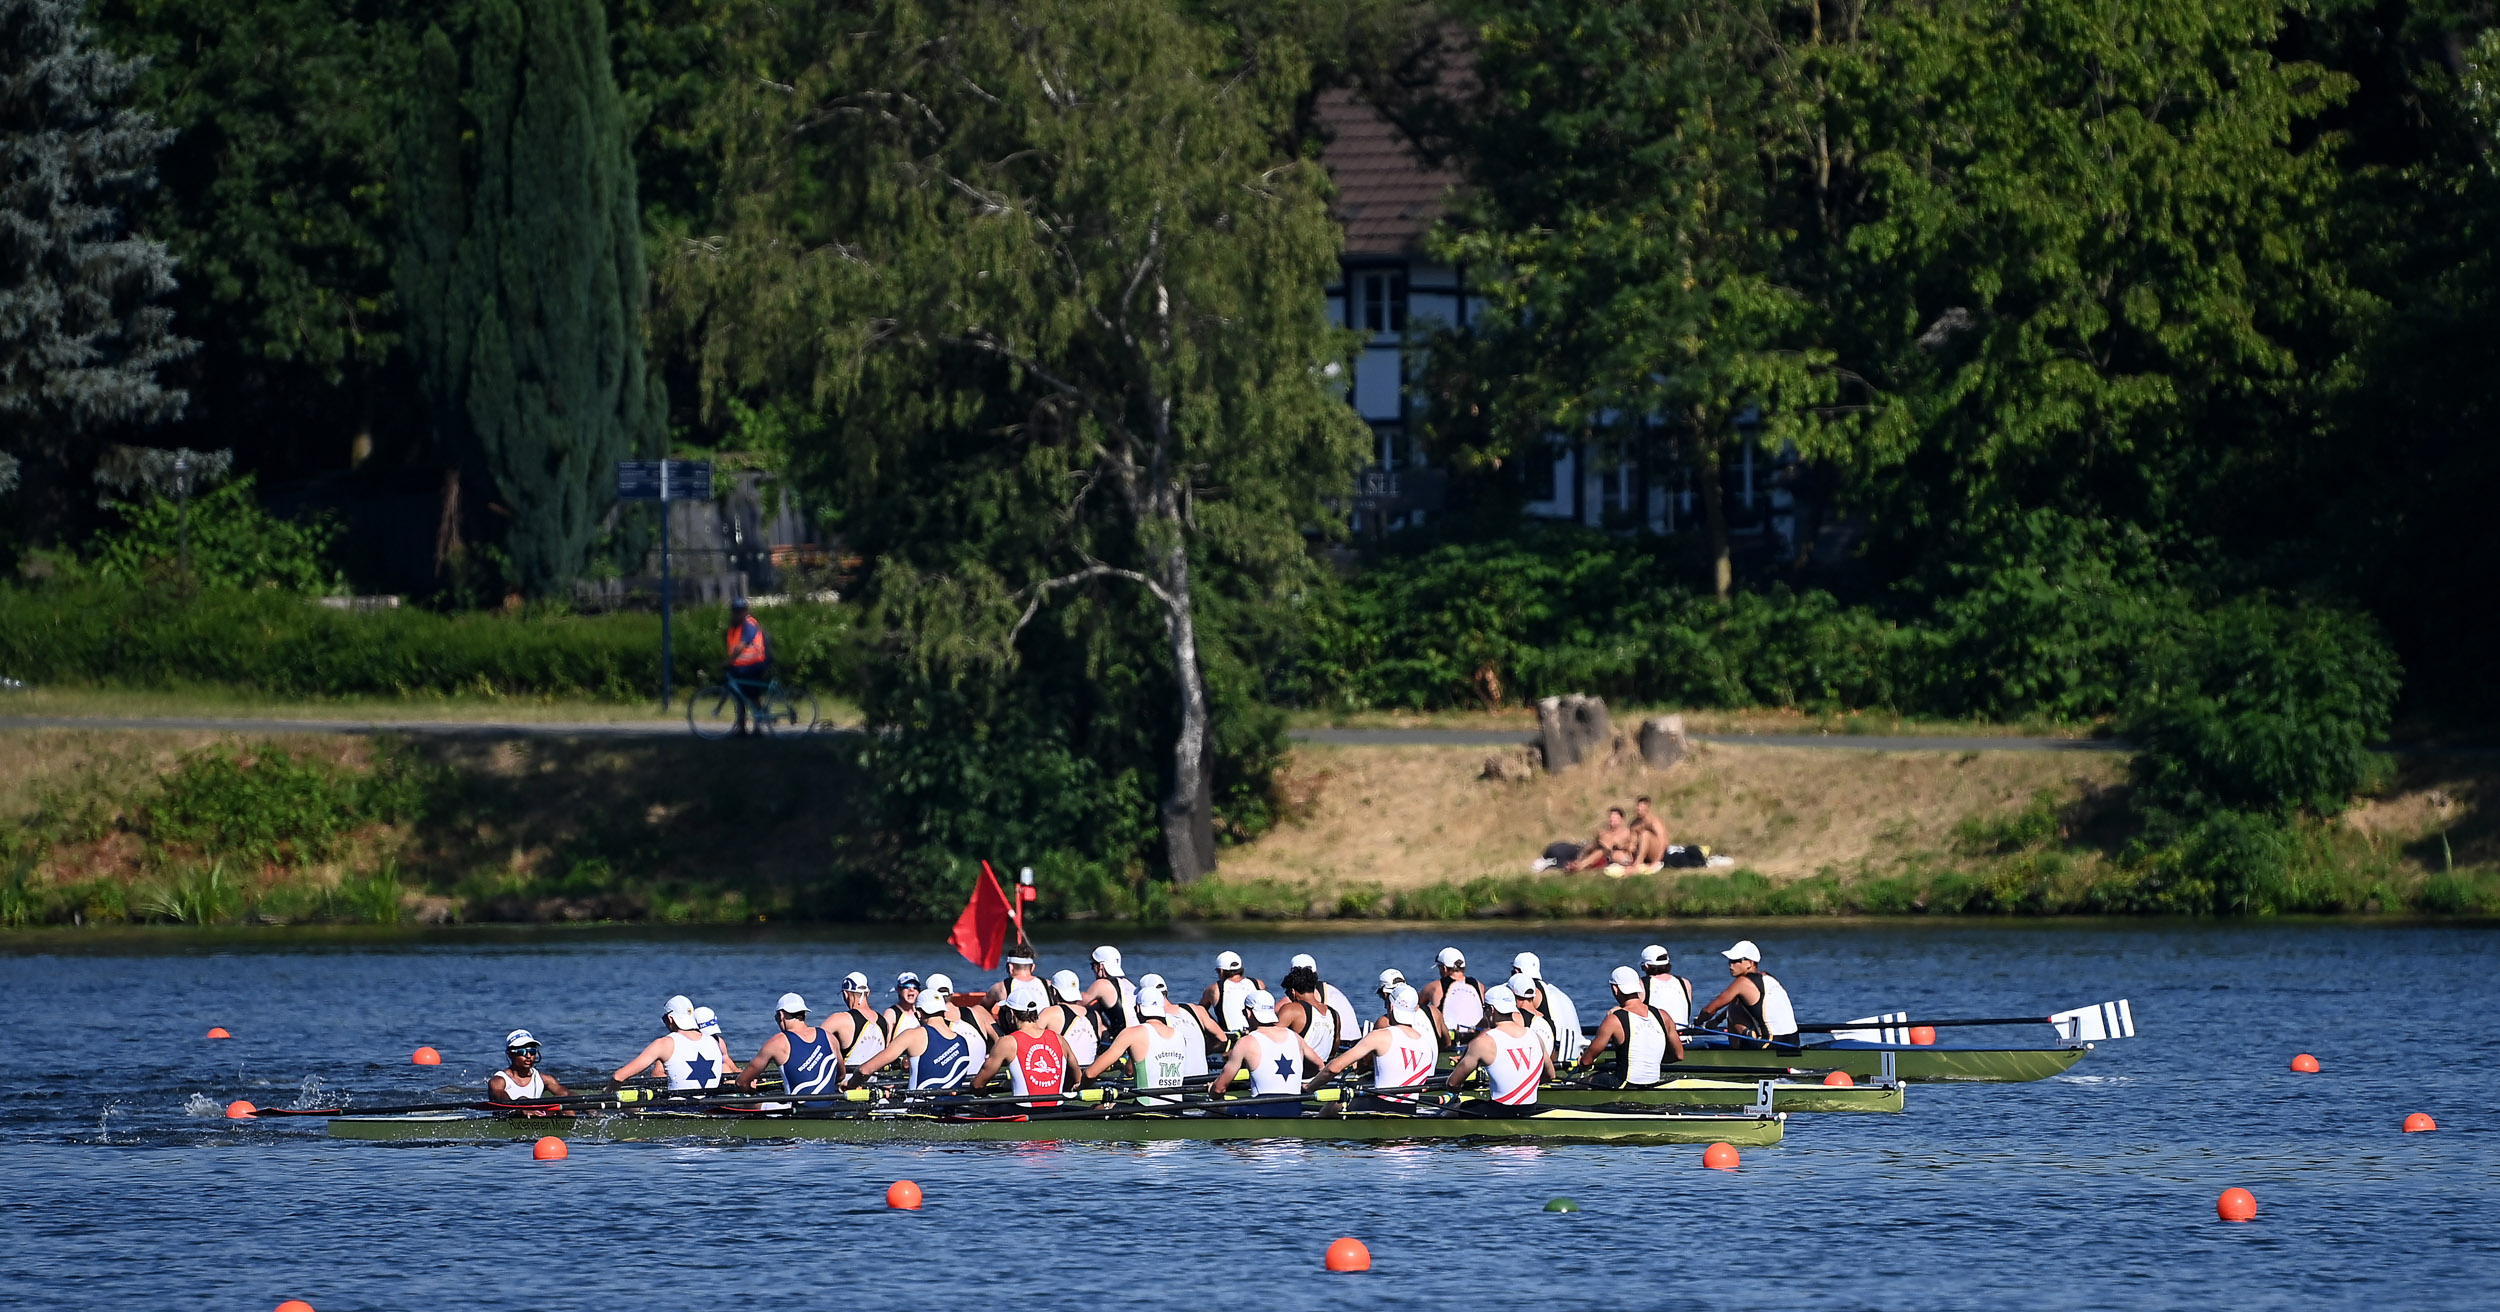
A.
x: 663, y: 480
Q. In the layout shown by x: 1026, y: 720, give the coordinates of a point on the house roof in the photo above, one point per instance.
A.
x: 1387, y: 198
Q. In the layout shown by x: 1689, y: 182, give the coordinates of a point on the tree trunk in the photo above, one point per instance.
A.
x: 1713, y: 509
x: 1188, y: 810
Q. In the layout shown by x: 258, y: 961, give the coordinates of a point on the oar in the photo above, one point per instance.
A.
x: 2099, y: 1020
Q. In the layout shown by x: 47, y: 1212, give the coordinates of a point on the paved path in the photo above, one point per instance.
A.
x: 1825, y: 741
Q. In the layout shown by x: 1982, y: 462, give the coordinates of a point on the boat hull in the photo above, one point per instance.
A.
x: 1695, y: 1092
x: 1566, y: 1124
x: 1914, y: 1064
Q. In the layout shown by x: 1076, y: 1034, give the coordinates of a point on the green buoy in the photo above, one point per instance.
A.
x: 1561, y: 1205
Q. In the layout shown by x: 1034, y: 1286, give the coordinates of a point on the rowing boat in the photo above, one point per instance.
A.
x: 1785, y: 1095
x: 1565, y: 1124
x: 1913, y: 1063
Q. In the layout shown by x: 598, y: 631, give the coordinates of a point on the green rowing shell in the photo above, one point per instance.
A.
x: 1786, y: 1096
x: 1916, y: 1065
x: 1561, y: 1123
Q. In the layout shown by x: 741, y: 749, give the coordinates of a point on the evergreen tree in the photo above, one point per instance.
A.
x: 520, y: 270
x: 80, y: 336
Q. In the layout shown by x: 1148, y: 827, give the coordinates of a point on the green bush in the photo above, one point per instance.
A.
x: 271, y: 806
x: 234, y: 544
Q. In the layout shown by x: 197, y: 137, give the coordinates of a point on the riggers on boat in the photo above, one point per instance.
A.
x: 1917, y: 1064
x: 1567, y: 1124
x: 1768, y: 1095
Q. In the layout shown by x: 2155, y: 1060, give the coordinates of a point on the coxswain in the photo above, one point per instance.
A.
x: 1229, y: 995
x: 1035, y: 1057
x: 1634, y: 1042
x: 858, y: 1030
x: 1306, y: 1012
x: 520, y: 1080
x: 935, y: 1051
x: 1068, y: 1018
x: 905, y: 1012
x: 810, y: 1055
x: 1667, y: 993
x: 1532, y: 1013
x: 750, y: 656
x: 1556, y: 1005
x: 1753, y: 1004
x: 685, y: 1055
x: 1157, y: 1049
x: 1197, y: 1028
x: 1401, y: 1051
x: 1453, y: 998
x: 1111, y: 997
x: 1513, y: 1060
x: 1276, y: 1058
x: 1020, y: 970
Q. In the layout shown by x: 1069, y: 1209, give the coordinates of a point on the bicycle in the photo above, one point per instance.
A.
x: 712, y: 711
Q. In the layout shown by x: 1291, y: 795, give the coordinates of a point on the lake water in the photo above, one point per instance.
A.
x: 2094, y: 1189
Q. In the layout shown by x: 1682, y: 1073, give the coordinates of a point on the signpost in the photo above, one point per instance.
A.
x: 664, y: 481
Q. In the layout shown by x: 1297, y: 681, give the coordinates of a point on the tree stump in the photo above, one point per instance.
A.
x: 1575, y: 729
x: 1663, y: 742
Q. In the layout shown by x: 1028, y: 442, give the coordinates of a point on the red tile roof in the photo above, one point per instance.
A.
x: 1387, y: 198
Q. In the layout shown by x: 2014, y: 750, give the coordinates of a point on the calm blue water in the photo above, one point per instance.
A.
x: 2092, y: 1190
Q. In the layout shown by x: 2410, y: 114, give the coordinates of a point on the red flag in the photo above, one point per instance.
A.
x: 981, y: 931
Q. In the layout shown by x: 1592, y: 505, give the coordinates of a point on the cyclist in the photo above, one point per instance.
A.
x: 750, y: 660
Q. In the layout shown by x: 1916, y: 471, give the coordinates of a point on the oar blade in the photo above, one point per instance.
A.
x: 1891, y: 1027
x: 2097, y: 1023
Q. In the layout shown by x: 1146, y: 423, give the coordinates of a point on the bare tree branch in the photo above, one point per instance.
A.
x: 1041, y: 591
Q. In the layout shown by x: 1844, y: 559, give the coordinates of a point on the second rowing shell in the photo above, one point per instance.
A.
x: 1786, y: 1096
x: 1559, y: 1123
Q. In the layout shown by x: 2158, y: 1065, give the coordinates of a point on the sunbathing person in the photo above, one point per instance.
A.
x: 1649, y: 835
x: 1612, y: 845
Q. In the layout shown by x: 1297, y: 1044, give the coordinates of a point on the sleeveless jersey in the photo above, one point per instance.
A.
x: 1115, y: 1018
x: 1320, y: 1030
x: 897, y: 1020
x: 1542, y: 1030
x: 1349, y: 1025
x: 1275, y: 1066
x: 1082, y: 1044
x: 1643, y: 1054
x: 1670, y: 996
x: 530, y: 1090
x: 1166, y: 1062
x: 1193, y: 1041
x: 1518, y: 1063
x: 812, y: 1066
x: 947, y: 1062
x: 1229, y: 1011
x: 1770, y: 1018
x: 1408, y: 1062
x: 1039, y: 1068
x: 694, y: 1063
x: 1462, y: 1004
x: 1563, y: 1015
x: 869, y: 1040
x: 973, y: 1042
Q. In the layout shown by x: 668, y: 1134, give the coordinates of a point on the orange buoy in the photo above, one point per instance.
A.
x: 1839, y: 1080
x: 1719, y: 1157
x: 1923, y: 1035
x: 239, y: 1110
x: 218, y: 1032
x: 2236, y: 1205
x: 425, y: 1057
x: 903, y: 1196
x: 1349, y: 1254
x: 2418, y: 1122
x: 2305, y: 1064
x: 295, y: 1305
x: 550, y: 1149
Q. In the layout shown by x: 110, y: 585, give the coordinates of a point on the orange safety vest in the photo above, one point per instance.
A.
x: 746, y: 644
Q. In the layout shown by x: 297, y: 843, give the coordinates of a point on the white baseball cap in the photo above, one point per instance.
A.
x: 706, y: 1021
x: 1150, y: 1002
x: 1527, y: 964
x: 909, y: 979
x: 1107, y: 956
x: 1027, y: 996
x: 517, y: 1038
x: 1743, y: 951
x: 855, y: 982
x: 681, y: 1017
x: 791, y: 1004
x: 1228, y: 961
x: 1150, y: 980
x: 1069, y: 987
x: 1261, y: 1005
x: 940, y: 984
x: 931, y: 1002
x: 679, y: 1003
x: 1391, y: 978
x: 1303, y: 959
x: 1404, y: 1006
x: 1500, y: 998
x: 1626, y: 980
x: 1523, y: 986
x: 1451, y: 957
x: 1654, y: 955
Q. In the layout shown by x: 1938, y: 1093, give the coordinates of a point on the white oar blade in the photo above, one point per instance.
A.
x: 2093, y: 1024
x: 1891, y: 1027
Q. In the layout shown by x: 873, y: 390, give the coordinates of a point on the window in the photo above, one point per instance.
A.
x: 1380, y: 301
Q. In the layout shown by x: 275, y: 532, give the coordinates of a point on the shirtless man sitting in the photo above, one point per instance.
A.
x: 1613, y: 845
x: 1650, y: 837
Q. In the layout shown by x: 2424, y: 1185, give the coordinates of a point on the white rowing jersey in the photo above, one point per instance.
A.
x: 1166, y: 1062
x: 1409, y: 1061
x: 516, y: 1089
x: 694, y: 1061
x: 1778, y: 1016
x: 1231, y: 1012
x: 973, y: 1042
x: 1462, y: 1004
x: 1570, y: 1040
x: 1080, y: 1036
x: 1671, y: 996
x: 868, y: 1043
x: 1349, y: 1024
x: 1543, y: 1031
x: 1644, y: 1047
x: 1518, y: 1063
x: 1193, y: 1040
x: 1275, y: 1065
x: 1320, y: 1030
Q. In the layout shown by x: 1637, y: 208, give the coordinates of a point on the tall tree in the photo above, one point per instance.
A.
x: 1059, y: 289
x: 81, y: 337
x: 520, y: 269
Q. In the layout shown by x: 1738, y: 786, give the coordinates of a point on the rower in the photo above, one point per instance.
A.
x: 1068, y: 1017
x: 1637, y: 1034
x: 1035, y: 1056
x: 1556, y: 1005
x: 520, y: 1080
x: 1454, y: 999
x: 1667, y: 993
x: 1157, y: 1049
x: 1532, y: 1014
x: 1753, y: 1004
x: 905, y: 1012
x: 1020, y: 970
x: 1338, y: 1004
x: 1513, y: 1060
x: 1275, y: 1056
x: 810, y: 1055
x: 1228, y: 996
x: 1196, y: 1026
x: 1306, y: 1012
x: 1401, y: 1051
x: 855, y: 1027
x: 936, y: 1050
x: 1111, y: 998
x: 707, y: 1023
x: 689, y: 1058
x: 974, y: 1026
x: 1391, y: 980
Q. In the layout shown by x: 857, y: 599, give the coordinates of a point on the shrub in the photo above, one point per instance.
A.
x: 234, y: 544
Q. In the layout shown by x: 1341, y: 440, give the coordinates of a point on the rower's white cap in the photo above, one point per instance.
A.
x: 680, y: 1016
x: 1150, y: 980
x: 909, y: 979
x: 1654, y: 955
x: 1500, y: 998
x: 1527, y: 964
x: 706, y: 1021
x: 931, y: 1002
x: 1391, y: 978
x: 1107, y: 957
x: 677, y: 1004
x: 1228, y: 961
x: 1523, y: 986
x: 940, y: 984
x: 1404, y: 1007
x: 1451, y: 957
x: 791, y: 1004
x: 516, y: 1038
x: 1303, y: 959
x: 855, y: 982
x: 1068, y: 986
x: 1627, y: 981
x: 1261, y: 1005
x: 1027, y: 996
x: 1743, y: 951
